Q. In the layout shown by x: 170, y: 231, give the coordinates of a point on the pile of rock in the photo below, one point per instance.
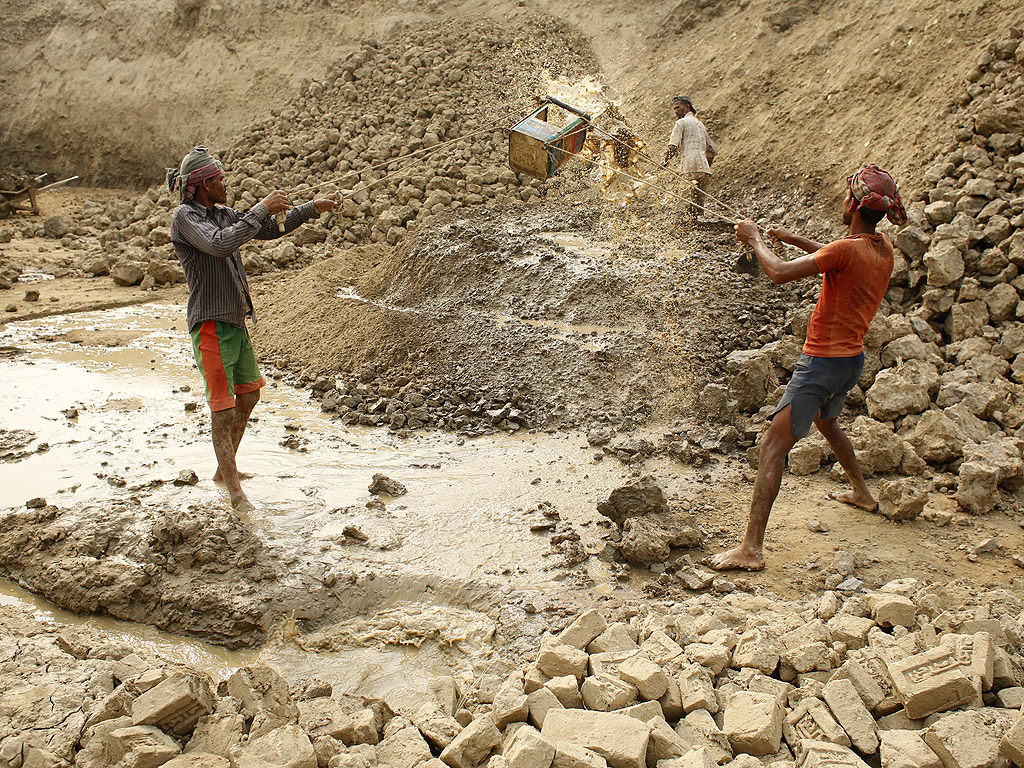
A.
x: 401, y: 404
x: 392, y: 97
x: 942, y: 383
x: 897, y: 678
x: 892, y: 677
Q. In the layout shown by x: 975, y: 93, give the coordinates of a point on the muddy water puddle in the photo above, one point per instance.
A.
x: 113, y: 404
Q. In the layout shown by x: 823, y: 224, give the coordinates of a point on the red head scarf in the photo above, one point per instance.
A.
x: 875, y: 189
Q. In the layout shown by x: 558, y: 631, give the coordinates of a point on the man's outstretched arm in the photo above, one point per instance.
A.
x: 797, y: 241
x: 778, y: 271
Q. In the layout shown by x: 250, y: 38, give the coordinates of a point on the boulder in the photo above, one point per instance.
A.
x: 128, y: 272
x: 750, y: 378
x: 945, y: 263
x: 640, y: 498
x: 879, y: 449
x: 894, y: 395
x: 902, y: 499
x: 936, y: 438
x: 284, y: 747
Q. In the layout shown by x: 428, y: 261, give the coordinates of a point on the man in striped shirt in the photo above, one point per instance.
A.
x: 207, y: 236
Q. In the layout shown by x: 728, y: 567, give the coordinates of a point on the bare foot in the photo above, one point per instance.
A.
x: 737, y: 559
x: 241, y: 504
x: 219, y: 478
x: 868, y: 504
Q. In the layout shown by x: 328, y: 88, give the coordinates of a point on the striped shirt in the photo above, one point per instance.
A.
x: 207, y: 244
x: 690, y: 135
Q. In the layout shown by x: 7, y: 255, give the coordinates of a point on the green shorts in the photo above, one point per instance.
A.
x: 227, y: 361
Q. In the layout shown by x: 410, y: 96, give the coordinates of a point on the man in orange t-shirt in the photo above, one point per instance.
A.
x: 855, y: 276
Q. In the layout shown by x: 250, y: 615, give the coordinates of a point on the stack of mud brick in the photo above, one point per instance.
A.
x: 872, y: 680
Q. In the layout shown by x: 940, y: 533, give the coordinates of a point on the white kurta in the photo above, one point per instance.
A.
x: 690, y: 135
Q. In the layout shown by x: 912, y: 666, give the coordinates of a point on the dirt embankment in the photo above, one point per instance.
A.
x: 795, y: 94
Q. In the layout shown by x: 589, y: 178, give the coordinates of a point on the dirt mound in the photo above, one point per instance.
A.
x: 555, y: 313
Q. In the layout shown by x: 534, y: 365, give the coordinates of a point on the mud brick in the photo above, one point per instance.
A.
x: 712, y: 738
x: 811, y: 722
x: 812, y: 631
x: 510, y: 702
x: 695, y: 758
x: 615, y: 639
x: 755, y: 649
x: 541, y: 702
x: 671, y: 702
x: 863, y: 682
x: 890, y: 610
x: 906, y: 749
x: 696, y: 690
x: 964, y: 740
x: 822, y: 754
x: 714, y: 656
x: 571, y: 756
x: 534, y: 679
x: 359, y: 728
x: 566, y: 690
x: 608, y: 663
x: 1006, y: 673
x: 931, y: 682
x: 604, y: 693
x: 645, y: 711
x: 664, y: 743
x: 976, y: 654
x: 763, y: 684
x: 852, y: 715
x: 650, y: 679
x: 663, y: 651
x: 1012, y: 744
x: 753, y: 723
x: 806, y: 657
x: 530, y: 750
x: 1011, y: 698
x: 898, y: 721
x: 992, y: 626
x: 473, y: 744
x: 852, y: 630
x: 175, y: 705
x: 620, y: 740
x: 583, y: 629
x: 557, y: 659
x: 437, y: 727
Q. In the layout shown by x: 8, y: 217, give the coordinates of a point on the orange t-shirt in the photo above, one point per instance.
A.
x: 855, y: 276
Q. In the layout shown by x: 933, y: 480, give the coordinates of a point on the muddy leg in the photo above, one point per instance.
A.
x: 774, y: 449
x: 698, y: 193
x: 244, y: 404
x: 843, y: 449
x: 224, y: 447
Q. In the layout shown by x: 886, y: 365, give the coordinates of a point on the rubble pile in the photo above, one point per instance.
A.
x: 942, y: 393
x: 394, y: 96
x: 896, y: 678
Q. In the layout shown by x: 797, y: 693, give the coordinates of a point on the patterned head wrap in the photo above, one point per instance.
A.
x: 199, y: 164
x: 874, y: 188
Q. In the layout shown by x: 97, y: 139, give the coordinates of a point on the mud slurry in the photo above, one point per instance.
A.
x: 454, y: 561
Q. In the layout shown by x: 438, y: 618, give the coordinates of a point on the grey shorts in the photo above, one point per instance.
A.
x: 819, y: 388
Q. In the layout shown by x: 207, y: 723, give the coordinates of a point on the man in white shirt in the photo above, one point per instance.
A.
x: 696, y: 151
